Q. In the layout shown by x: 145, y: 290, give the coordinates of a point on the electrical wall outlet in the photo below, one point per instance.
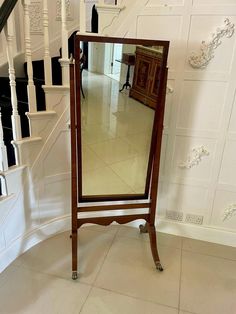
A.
x: 194, y: 219
x: 174, y: 215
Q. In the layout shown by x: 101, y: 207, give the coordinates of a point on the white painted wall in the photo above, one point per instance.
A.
x: 200, y: 112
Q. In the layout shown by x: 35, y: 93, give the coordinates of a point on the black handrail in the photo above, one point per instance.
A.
x: 5, y: 11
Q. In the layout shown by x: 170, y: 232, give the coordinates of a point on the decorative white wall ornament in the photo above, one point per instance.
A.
x: 201, y: 60
x: 36, y: 19
x: 229, y: 212
x: 194, y: 158
x: 68, y: 11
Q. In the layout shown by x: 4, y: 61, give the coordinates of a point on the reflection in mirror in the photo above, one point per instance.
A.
x: 118, y: 94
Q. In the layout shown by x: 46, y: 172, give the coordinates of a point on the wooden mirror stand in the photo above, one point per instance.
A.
x: 148, y: 200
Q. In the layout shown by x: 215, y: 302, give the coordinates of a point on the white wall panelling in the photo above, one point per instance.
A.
x: 202, y: 100
x: 202, y: 104
x: 187, y: 198
x: 166, y: 27
x: 54, y: 190
x: 228, y: 167
x: 62, y: 165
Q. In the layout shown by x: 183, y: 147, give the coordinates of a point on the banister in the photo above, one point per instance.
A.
x: 5, y: 11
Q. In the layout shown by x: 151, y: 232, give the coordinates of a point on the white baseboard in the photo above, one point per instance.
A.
x: 62, y: 224
x: 204, y: 233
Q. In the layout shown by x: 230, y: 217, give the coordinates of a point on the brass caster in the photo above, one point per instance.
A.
x: 74, y: 275
x: 159, y: 266
x: 143, y: 229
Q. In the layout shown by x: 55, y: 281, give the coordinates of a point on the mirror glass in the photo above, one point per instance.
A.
x: 118, y: 96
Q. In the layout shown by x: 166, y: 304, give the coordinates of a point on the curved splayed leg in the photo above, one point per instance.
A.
x: 153, y: 243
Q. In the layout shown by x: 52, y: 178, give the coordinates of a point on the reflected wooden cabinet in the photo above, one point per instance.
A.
x: 146, y: 76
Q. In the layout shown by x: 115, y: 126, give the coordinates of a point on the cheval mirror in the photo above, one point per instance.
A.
x: 118, y: 89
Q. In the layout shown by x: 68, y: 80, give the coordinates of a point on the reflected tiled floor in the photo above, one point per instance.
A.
x: 116, y: 135
x: 117, y: 275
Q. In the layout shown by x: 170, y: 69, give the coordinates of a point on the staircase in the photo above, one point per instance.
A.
x: 34, y: 112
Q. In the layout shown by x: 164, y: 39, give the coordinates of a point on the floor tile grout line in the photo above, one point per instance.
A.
x: 180, y: 275
x: 175, y: 247
x: 82, y: 307
x: 148, y: 241
x: 123, y: 294
x: 136, y: 298
x: 40, y: 272
x: 205, y: 254
x: 113, y: 240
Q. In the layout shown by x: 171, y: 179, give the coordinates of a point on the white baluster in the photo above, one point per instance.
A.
x: 82, y: 17
x: 28, y: 57
x: 3, y: 150
x: 47, y: 57
x: 15, y: 118
x: 64, y: 61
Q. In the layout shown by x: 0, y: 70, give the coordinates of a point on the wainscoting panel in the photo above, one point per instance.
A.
x: 57, y: 159
x: 228, y: 168
x: 54, y: 200
x: 162, y: 27
x: 201, y: 105
x: 187, y: 199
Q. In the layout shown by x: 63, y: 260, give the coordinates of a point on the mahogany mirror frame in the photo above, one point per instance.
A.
x: 99, y: 203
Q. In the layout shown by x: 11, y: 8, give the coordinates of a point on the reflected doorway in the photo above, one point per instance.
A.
x: 115, y: 67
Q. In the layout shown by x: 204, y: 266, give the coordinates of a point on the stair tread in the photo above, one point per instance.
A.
x: 27, y: 140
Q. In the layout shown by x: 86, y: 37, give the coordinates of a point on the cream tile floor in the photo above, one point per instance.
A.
x: 117, y: 275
